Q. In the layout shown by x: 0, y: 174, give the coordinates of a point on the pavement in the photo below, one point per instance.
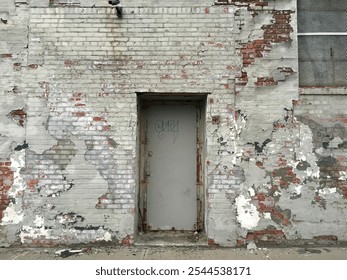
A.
x: 142, y: 252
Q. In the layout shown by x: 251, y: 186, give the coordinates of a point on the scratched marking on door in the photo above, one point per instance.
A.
x: 163, y: 127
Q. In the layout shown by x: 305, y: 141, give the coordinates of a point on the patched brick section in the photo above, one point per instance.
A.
x: 6, y: 182
x: 268, y: 235
x: 276, y: 32
x: 253, y: 50
x: 283, y: 177
x: 267, y: 204
x: 265, y: 81
x: 279, y: 31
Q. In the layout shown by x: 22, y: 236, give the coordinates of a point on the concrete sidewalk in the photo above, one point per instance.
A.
x: 172, y: 253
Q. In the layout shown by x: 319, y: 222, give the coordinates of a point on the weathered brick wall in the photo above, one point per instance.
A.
x: 274, y: 161
x: 83, y: 71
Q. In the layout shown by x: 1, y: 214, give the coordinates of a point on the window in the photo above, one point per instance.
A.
x: 322, y: 41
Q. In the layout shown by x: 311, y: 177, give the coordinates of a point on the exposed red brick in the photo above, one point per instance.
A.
x: 18, y: 116
x: 6, y: 182
x: 284, y: 177
x: 264, y: 203
x: 5, y: 55
x: 106, y: 127
x: 69, y: 63
x: 165, y: 77
x: 276, y: 32
x: 260, y: 164
x: 326, y: 237
x: 99, y: 119
x: 262, y: 4
x: 265, y: 81
x: 17, y: 66
x: 243, y: 80
x: 33, y: 66
x: 279, y: 31
x: 281, y: 162
x: 339, y: 118
x: 104, y: 94
x: 211, y: 242
x: 128, y: 241
x: 79, y: 114
x: 240, y: 242
x: 266, y: 235
x: 32, y: 184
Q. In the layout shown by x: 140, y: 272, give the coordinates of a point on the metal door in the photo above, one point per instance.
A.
x: 171, y: 195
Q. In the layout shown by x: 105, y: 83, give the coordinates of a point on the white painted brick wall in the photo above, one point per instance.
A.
x: 76, y: 69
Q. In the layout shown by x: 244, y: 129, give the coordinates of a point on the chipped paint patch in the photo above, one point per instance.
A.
x: 343, y: 176
x: 267, y: 216
x: 106, y: 237
x: 247, y: 214
x: 39, y: 221
x: 327, y: 191
x: 11, y: 215
x: 297, y: 190
x: 32, y: 233
x: 41, y: 235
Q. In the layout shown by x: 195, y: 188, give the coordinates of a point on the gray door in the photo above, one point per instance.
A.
x: 171, y: 167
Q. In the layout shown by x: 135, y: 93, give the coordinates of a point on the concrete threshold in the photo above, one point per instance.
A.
x: 171, y: 238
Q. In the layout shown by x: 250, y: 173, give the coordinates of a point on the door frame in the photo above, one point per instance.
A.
x: 144, y: 102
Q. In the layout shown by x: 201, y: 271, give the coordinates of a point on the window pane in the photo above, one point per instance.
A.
x: 321, y: 4
x: 322, y: 16
x: 323, y: 60
x: 322, y: 21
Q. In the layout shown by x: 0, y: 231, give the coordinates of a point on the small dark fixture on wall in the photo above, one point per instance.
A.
x: 118, y: 9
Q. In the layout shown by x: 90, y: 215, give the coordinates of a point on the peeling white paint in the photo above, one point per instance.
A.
x: 11, y: 216
x: 17, y: 163
x: 304, y: 153
x: 267, y: 216
x: 30, y: 233
x: 327, y: 191
x: 107, y: 237
x: 251, y: 191
x: 303, y: 158
x: 342, y: 175
x: 277, y: 193
x: 247, y: 213
x: 39, y: 221
x: 297, y: 189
